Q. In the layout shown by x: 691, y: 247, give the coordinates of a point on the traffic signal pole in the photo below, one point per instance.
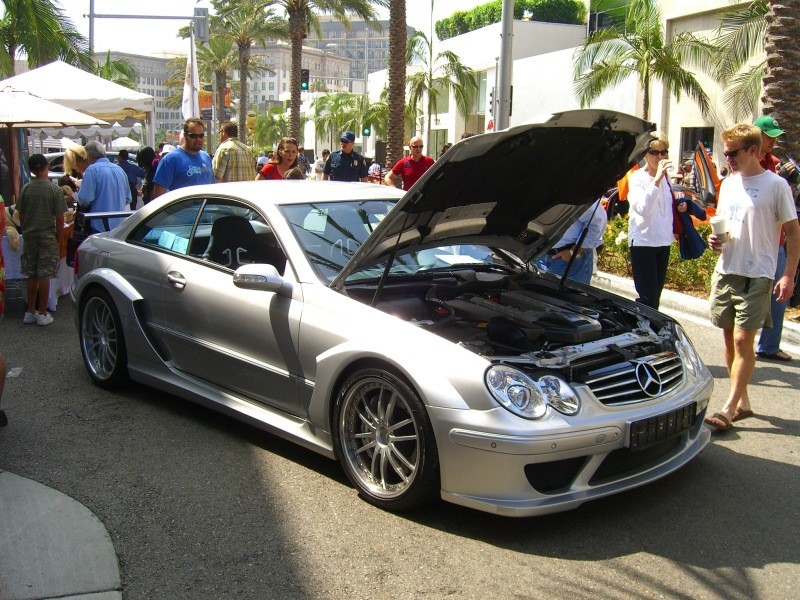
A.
x: 506, y: 67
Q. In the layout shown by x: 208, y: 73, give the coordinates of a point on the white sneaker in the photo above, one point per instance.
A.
x: 29, y: 318
x: 44, y: 319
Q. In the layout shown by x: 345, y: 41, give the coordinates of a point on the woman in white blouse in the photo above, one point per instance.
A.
x: 650, y: 222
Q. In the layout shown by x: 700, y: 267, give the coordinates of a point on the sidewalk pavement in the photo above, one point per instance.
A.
x: 51, y: 546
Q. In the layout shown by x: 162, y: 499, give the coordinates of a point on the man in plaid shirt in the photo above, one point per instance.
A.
x: 233, y: 161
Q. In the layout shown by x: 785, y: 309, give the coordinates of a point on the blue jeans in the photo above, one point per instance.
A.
x: 581, y: 270
x: 769, y: 342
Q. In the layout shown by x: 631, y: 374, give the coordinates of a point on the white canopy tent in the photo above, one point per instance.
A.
x: 124, y: 143
x: 80, y: 90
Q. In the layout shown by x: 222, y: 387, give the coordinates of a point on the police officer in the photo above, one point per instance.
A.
x: 344, y: 164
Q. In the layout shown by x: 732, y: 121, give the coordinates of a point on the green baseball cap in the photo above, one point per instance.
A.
x: 768, y: 126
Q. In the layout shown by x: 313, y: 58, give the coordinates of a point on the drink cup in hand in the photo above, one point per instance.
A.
x: 719, y: 227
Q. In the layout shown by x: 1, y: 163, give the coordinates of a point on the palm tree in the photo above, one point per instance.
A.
x: 39, y: 30
x: 637, y: 46
x: 781, y: 85
x: 214, y: 61
x: 302, y: 16
x: 119, y: 71
x: 440, y: 75
x: 246, y: 23
x: 741, y: 37
x: 271, y: 127
x: 398, y: 43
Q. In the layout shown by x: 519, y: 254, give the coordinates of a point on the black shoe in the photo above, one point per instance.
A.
x: 3, y: 419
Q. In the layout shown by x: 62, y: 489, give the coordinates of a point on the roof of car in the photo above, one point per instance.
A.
x: 298, y: 192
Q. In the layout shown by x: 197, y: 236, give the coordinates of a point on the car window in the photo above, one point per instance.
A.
x: 330, y: 233
x: 223, y: 232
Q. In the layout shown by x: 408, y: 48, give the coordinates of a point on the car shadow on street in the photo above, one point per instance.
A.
x: 715, y: 519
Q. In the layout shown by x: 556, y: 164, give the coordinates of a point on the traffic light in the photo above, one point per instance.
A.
x: 304, y: 75
x: 367, y: 131
x: 491, y: 102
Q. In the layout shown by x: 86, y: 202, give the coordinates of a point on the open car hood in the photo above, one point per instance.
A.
x: 517, y: 189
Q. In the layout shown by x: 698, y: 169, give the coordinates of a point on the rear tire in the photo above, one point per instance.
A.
x: 102, y: 340
x: 384, y: 440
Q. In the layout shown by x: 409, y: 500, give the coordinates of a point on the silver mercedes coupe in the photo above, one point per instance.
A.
x: 409, y: 336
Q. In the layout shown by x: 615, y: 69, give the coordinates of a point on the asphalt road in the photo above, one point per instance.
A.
x: 201, y: 506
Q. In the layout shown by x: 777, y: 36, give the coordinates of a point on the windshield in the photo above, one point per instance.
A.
x: 331, y: 232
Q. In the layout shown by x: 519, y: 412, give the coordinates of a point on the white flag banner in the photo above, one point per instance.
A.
x: 190, y: 105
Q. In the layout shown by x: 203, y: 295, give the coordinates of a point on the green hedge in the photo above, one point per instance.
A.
x: 549, y: 11
x: 688, y: 276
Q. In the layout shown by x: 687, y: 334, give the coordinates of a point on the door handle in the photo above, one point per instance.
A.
x: 176, y: 280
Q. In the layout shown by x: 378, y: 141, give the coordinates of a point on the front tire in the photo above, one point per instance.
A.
x: 384, y: 441
x: 102, y: 341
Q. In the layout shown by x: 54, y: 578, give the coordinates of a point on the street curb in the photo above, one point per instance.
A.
x: 682, y: 304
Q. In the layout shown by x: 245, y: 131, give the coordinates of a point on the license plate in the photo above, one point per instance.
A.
x: 650, y: 431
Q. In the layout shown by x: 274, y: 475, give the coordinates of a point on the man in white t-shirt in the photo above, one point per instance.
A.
x: 319, y: 164
x: 755, y: 203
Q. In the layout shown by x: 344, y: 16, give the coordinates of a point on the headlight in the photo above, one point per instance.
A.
x: 558, y: 394
x: 687, y: 352
x: 518, y: 393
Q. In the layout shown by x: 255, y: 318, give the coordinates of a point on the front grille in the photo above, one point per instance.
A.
x: 625, y: 462
x: 555, y: 475
x: 636, y: 380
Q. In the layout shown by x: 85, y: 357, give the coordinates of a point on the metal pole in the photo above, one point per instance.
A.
x: 506, y: 65
x: 91, y: 26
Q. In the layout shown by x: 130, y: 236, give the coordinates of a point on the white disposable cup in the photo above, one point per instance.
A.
x: 719, y: 226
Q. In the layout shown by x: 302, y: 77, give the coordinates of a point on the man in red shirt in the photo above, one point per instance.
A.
x: 411, y: 167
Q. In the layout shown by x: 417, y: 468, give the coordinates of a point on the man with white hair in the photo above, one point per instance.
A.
x: 104, y: 187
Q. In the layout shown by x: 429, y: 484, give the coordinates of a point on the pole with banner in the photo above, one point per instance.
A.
x: 190, y: 105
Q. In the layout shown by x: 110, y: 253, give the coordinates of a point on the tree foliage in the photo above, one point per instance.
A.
x: 638, y: 47
x: 439, y: 76
x: 548, y: 11
x: 119, y: 71
x: 39, y: 30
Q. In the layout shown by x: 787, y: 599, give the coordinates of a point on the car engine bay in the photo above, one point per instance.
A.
x: 533, y: 323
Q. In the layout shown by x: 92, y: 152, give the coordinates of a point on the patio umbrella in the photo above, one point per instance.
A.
x: 23, y: 109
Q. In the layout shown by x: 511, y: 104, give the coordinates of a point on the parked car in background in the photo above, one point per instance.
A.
x: 409, y: 336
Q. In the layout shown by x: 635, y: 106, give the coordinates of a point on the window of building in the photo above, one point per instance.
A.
x: 271, y: 87
x: 691, y: 135
x: 436, y: 139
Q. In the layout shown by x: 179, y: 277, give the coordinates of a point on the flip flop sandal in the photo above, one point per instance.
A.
x: 779, y: 355
x: 742, y: 414
x: 720, y: 417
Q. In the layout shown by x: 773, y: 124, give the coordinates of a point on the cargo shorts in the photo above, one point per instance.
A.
x: 740, y: 302
x: 40, y: 255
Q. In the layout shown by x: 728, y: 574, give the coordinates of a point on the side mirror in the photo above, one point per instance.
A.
x: 264, y: 277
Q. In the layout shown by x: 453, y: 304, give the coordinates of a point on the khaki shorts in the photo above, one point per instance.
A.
x: 740, y: 302
x: 40, y: 255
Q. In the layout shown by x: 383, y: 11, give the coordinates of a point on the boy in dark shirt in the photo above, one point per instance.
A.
x: 41, y: 208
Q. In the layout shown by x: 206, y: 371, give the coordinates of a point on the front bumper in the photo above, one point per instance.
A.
x: 539, y: 473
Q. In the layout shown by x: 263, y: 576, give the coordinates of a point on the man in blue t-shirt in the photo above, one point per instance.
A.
x: 186, y: 165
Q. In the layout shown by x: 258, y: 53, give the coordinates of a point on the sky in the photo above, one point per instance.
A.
x: 156, y: 36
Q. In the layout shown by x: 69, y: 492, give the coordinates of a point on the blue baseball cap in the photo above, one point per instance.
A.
x: 348, y: 136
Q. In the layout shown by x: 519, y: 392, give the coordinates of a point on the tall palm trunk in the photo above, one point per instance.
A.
x: 221, y: 82
x: 397, y: 81
x: 244, y: 75
x: 297, y: 32
x: 782, y: 79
